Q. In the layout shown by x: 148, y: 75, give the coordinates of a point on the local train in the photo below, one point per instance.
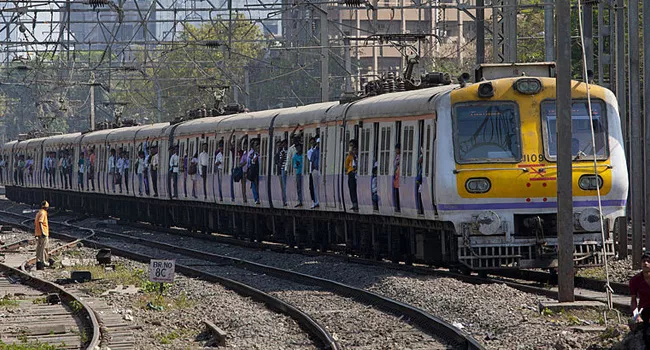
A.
x: 457, y: 174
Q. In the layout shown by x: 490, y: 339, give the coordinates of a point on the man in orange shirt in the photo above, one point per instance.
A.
x: 42, y: 233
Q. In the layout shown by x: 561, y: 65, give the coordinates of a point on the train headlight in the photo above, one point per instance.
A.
x: 488, y: 222
x: 478, y: 185
x: 589, y: 219
x: 485, y: 90
x: 528, y: 86
x: 590, y: 182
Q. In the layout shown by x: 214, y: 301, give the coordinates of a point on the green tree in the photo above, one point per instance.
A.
x: 169, y: 82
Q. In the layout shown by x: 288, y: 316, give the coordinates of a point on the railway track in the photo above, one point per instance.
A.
x: 348, y: 313
x: 34, y: 312
x: 530, y: 281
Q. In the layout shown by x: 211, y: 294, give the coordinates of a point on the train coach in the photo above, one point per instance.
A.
x: 457, y: 175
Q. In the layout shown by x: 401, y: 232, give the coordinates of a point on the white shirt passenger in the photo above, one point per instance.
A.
x: 173, y: 163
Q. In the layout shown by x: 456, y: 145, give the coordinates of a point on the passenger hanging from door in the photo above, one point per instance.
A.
x: 218, y: 164
x: 203, y: 169
x: 418, y: 183
x: 351, y: 171
x: 314, y: 161
x: 396, y: 170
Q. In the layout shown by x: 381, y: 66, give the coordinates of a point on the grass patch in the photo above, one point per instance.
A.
x: 30, y: 345
x: 37, y: 301
x: 108, y: 279
x: 76, y: 306
x: 592, y: 272
x: 8, y: 302
x: 168, y: 338
x: 583, y: 317
x: 166, y: 302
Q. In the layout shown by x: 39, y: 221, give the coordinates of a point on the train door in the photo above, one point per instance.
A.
x: 264, y: 170
x: 428, y: 175
x: 384, y: 174
x: 365, y: 179
x: 325, y: 170
x: 229, y: 155
x: 209, y: 176
x: 406, y: 197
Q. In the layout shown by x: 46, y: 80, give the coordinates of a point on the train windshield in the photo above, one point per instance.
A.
x: 487, y: 132
x: 582, y: 147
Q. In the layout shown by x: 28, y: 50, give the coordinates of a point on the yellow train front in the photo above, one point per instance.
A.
x: 496, y: 179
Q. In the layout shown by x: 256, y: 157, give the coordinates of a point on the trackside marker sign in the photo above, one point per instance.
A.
x: 162, y: 270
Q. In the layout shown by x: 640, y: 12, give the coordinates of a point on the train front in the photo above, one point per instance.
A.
x: 499, y: 187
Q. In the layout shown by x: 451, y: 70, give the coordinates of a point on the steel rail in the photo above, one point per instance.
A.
x: 529, y: 275
x: 427, y: 322
x: 314, y: 328
x: 85, y: 314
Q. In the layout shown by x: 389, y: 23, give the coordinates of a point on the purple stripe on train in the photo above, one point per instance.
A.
x: 520, y: 205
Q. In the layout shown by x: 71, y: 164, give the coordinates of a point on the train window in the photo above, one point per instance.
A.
x: 264, y: 154
x: 427, y: 150
x: 581, y: 125
x: 277, y: 147
x: 407, y: 151
x: 487, y: 132
x: 384, y: 151
x: 364, y: 151
x: 347, y: 138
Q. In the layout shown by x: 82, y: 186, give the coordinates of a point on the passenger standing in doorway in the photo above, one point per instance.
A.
x: 90, y: 177
x: 192, y: 171
x: 253, y: 171
x: 396, y: 170
x: 418, y: 184
x: 147, y: 162
x: 243, y: 163
x: 119, y: 170
x: 218, y: 164
x: 314, y: 161
x: 112, y: 169
x: 46, y: 169
x: 154, y: 170
x: 297, y: 167
x: 203, y: 169
x: 70, y: 166
x: 52, y: 167
x: 63, y: 161
x: 311, y: 180
x: 60, y: 169
x: 42, y: 234
x: 173, y: 172
x: 29, y: 164
x: 283, y: 171
x: 125, y: 172
x: 373, y: 187
x: 139, y: 170
x: 351, y: 171
x: 21, y: 169
x: 184, y: 169
x: 81, y: 169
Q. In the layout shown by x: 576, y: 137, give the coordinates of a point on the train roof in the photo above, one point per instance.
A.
x: 309, y: 114
x: 60, y: 140
x: 251, y: 121
x: 200, y: 126
x: 397, y: 104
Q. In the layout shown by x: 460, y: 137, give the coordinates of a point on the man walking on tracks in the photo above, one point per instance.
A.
x: 640, y: 288
x: 42, y: 233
